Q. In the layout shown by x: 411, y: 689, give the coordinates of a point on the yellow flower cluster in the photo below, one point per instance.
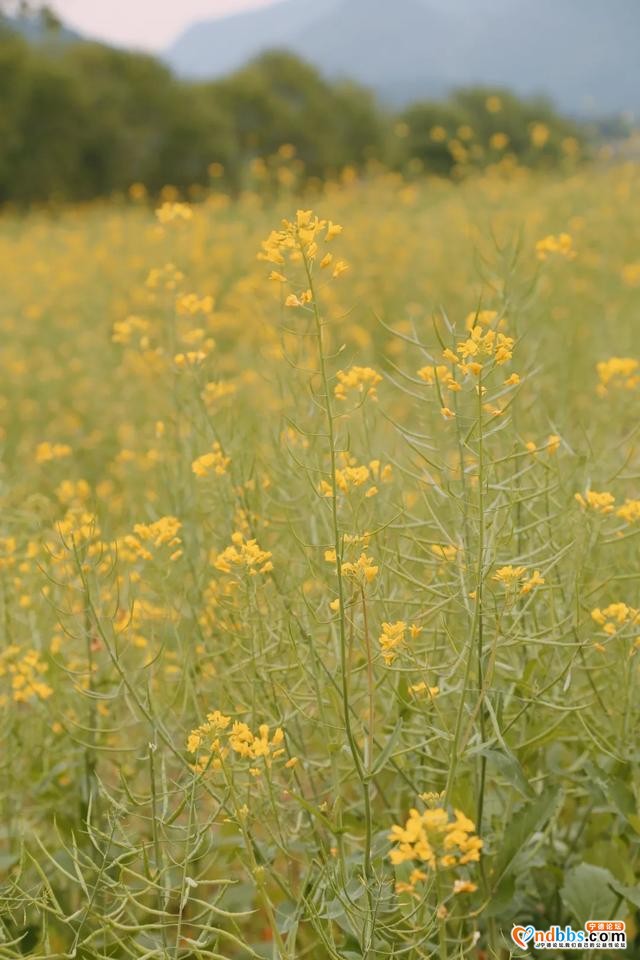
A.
x: 26, y: 670
x: 80, y: 527
x: 363, y: 570
x: 615, y: 616
x: 499, y: 141
x: 299, y: 301
x: 190, y: 359
x: 353, y: 475
x: 362, y: 379
x: 125, y: 330
x: 205, y: 742
x: 135, y: 620
x: 214, y: 462
x: 244, y: 554
x: 478, y: 344
x: 51, y: 451
x: 631, y: 274
x: 435, y: 839
x: 169, y: 212
x: 560, y: 245
x: 161, y: 533
x: 602, y: 502
x: 8, y: 547
x: 167, y: 277
x: 217, y: 391
x: 210, y: 750
x: 629, y: 511
x: 392, y: 639
x: 439, y: 373
x: 539, y: 133
x: 622, y: 373
x: 190, y: 305
x: 73, y: 492
x: 251, y: 746
x: 535, y: 580
x: 482, y: 343
x: 509, y: 576
x: 300, y: 236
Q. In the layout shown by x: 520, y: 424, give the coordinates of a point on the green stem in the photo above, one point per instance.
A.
x: 337, y: 543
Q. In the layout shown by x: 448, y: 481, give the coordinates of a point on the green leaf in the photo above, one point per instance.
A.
x: 386, y: 751
x: 525, y: 821
x: 587, y: 893
x: 502, y: 896
x: 630, y: 894
x: 622, y: 797
x: 509, y: 766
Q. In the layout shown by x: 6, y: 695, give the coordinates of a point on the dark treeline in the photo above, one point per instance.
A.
x: 82, y: 120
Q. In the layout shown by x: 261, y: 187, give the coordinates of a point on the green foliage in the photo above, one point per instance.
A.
x: 80, y: 120
x: 479, y: 126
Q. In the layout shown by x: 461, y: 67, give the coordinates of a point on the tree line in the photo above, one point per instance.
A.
x: 80, y: 120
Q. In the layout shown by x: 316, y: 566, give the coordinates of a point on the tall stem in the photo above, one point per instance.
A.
x: 338, y: 545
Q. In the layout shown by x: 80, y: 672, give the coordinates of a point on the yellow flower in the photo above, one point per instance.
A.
x: 243, y: 554
x: 364, y: 380
x: 598, y: 502
x: 629, y: 511
x: 560, y: 245
x: 619, y: 372
x: 441, y: 373
x: 498, y: 141
x: 509, y: 575
x: 464, y: 886
x: 363, y: 568
x: 445, y: 551
x: 294, y: 301
x: 435, y: 839
x: 333, y: 230
x: 214, y: 462
x: 169, y: 212
x: 539, y: 134
x: 535, y: 580
x: 391, y: 638
x: 631, y: 274
x: 51, y: 451
x: 192, y: 358
x: 217, y: 391
x: 341, y: 267
x: 417, y: 689
x: 614, y: 618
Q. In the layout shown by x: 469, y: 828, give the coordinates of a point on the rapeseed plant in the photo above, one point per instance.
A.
x: 318, y: 568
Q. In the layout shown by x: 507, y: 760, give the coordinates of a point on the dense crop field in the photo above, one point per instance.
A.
x: 319, y: 571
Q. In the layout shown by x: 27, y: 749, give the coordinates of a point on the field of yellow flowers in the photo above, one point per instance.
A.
x: 319, y: 571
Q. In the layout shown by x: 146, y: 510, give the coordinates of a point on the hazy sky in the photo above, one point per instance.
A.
x: 149, y: 24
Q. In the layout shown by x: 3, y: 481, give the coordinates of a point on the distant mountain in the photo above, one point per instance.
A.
x: 215, y: 47
x: 582, y: 53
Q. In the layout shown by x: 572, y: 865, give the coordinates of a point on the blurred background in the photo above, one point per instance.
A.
x: 108, y: 97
